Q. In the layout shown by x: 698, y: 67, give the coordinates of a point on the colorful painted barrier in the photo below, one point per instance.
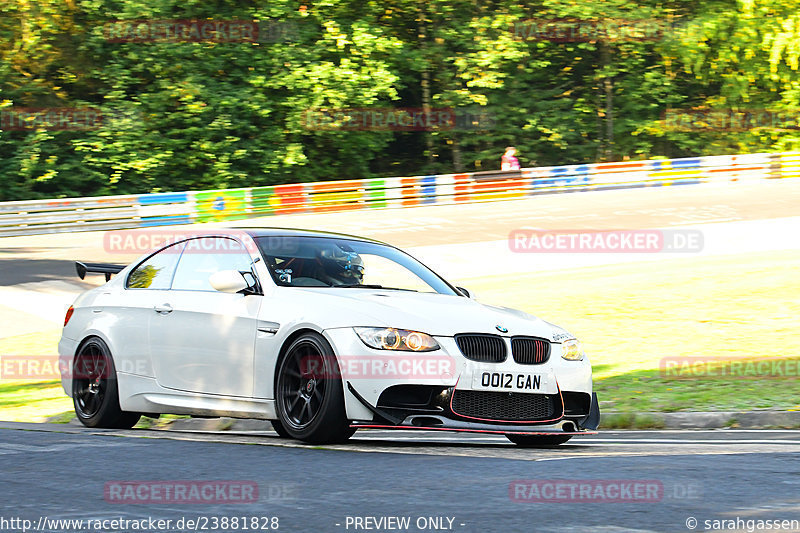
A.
x: 159, y: 209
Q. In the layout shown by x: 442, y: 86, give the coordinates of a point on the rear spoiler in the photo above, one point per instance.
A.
x: 97, y: 268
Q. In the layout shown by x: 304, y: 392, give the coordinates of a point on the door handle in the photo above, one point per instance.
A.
x: 163, y: 309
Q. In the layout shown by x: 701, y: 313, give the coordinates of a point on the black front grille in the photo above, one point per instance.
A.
x: 530, y: 350
x: 482, y: 348
x: 505, y: 406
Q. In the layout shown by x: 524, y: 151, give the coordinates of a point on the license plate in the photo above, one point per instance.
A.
x: 510, y: 381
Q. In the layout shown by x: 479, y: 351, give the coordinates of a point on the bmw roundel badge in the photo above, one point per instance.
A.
x: 501, y: 329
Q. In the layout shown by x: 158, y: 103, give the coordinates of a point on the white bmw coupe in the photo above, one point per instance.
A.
x: 320, y: 333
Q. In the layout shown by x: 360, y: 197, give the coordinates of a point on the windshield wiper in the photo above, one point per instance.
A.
x: 360, y: 286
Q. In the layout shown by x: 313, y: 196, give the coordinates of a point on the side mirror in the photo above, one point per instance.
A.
x: 230, y: 281
x: 463, y: 291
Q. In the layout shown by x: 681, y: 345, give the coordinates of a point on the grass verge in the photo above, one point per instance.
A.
x: 650, y: 390
x: 26, y: 401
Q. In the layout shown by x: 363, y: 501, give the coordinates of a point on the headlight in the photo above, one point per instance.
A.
x: 571, y: 350
x: 396, y: 339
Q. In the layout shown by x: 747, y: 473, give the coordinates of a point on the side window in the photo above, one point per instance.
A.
x: 202, y: 257
x: 156, y: 271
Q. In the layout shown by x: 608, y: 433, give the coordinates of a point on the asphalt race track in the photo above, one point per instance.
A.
x: 61, y: 472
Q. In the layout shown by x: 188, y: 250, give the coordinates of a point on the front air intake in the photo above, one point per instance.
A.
x: 505, y: 406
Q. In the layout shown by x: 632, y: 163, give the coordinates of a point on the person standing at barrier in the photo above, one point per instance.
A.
x: 508, y: 161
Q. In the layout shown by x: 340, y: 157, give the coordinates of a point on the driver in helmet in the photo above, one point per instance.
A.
x: 341, y: 267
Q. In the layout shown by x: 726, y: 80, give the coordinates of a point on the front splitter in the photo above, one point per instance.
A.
x: 501, y: 430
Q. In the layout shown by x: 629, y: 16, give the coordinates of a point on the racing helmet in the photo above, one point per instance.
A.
x: 343, y: 266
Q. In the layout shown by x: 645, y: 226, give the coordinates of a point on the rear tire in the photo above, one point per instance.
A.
x: 95, y: 394
x: 538, y: 441
x: 309, y: 393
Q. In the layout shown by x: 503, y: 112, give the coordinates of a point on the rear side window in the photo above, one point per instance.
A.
x: 156, y: 271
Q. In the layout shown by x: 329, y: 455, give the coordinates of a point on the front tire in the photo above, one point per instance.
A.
x: 309, y: 393
x: 95, y: 394
x: 279, y: 429
x: 538, y: 441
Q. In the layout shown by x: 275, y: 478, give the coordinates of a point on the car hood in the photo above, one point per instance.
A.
x: 435, y: 314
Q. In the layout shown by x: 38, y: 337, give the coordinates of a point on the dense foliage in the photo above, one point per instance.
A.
x: 182, y: 114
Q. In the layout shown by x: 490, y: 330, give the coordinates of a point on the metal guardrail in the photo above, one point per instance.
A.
x: 134, y: 211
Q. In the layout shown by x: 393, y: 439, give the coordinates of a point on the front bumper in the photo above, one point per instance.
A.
x: 575, y: 425
x: 451, y: 400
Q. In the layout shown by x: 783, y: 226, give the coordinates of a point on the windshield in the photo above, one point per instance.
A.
x: 346, y: 263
